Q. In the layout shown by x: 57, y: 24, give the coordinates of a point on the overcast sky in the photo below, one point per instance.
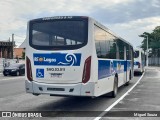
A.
x: 127, y: 18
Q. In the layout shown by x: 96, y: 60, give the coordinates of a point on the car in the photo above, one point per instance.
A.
x: 14, y: 69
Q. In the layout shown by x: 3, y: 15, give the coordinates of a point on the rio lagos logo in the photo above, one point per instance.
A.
x: 44, y: 59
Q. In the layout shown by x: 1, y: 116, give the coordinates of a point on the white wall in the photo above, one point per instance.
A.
x: 1, y: 64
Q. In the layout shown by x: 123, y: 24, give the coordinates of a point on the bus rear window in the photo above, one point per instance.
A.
x: 58, y: 34
x: 136, y: 54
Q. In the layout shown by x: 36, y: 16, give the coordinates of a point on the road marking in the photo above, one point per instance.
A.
x: 116, y: 102
x: 6, y: 79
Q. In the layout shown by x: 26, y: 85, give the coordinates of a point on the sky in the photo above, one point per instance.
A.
x: 126, y: 18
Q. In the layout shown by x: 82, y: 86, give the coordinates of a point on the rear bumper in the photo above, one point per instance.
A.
x: 78, y: 89
x: 138, y: 70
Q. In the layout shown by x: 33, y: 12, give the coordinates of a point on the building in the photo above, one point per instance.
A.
x: 22, y: 48
x: 6, y: 49
x: 18, y: 53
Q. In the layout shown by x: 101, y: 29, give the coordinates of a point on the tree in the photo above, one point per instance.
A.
x: 156, y: 38
x: 144, y: 42
x: 153, y: 41
x: 23, y: 55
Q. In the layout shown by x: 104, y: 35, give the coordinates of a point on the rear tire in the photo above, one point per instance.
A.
x: 127, y: 83
x: 115, y: 88
x: 5, y: 74
x: 140, y: 73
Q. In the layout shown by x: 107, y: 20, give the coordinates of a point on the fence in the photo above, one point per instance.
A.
x: 154, y: 61
x: 1, y: 64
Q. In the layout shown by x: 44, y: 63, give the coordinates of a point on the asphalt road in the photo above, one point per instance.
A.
x: 11, y: 86
x: 143, y: 102
x: 14, y: 98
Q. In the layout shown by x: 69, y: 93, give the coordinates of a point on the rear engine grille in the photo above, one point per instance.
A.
x: 55, y: 89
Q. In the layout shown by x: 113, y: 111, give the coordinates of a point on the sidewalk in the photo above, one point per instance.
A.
x: 145, y: 96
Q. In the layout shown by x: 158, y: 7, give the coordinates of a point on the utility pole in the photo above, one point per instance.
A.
x: 146, y: 36
x: 147, y: 51
x: 12, y: 46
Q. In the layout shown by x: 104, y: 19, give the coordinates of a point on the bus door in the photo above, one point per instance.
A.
x: 125, y: 64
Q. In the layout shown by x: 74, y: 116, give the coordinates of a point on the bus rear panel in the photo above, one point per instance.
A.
x: 139, y: 61
x: 58, y: 58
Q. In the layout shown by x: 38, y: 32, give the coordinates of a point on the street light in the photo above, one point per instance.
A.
x: 144, y: 35
x: 147, y: 50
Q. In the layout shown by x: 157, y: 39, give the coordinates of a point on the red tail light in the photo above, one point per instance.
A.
x: 139, y: 65
x: 29, y: 69
x: 86, y: 70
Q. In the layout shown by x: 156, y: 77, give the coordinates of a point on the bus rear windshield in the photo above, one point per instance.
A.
x: 58, y: 34
x: 136, y: 54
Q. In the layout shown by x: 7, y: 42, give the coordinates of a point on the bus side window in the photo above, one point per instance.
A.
x: 98, y: 49
x: 121, y: 45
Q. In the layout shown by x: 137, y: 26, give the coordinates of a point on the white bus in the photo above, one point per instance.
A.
x: 75, y: 56
x: 139, y: 61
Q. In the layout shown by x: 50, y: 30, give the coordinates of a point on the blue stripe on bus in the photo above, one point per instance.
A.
x: 106, y: 68
x: 57, y: 59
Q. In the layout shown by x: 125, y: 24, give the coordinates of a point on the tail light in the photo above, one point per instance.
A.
x: 139, y: 65
x: 29, y: 69
x: 86, y: 70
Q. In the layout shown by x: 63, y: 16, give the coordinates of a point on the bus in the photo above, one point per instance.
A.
x: 75, y: 56
x: 139, y: 61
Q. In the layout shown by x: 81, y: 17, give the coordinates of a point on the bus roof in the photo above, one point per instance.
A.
x: 86, y: 17
x: 109, y: 31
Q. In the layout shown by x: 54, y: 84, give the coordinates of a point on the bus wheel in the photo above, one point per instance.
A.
x: 115, y: 87
x: 140, y: 73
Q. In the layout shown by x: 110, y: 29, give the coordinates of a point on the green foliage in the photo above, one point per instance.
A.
x: 153, y: 41
x: 23, y: 55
